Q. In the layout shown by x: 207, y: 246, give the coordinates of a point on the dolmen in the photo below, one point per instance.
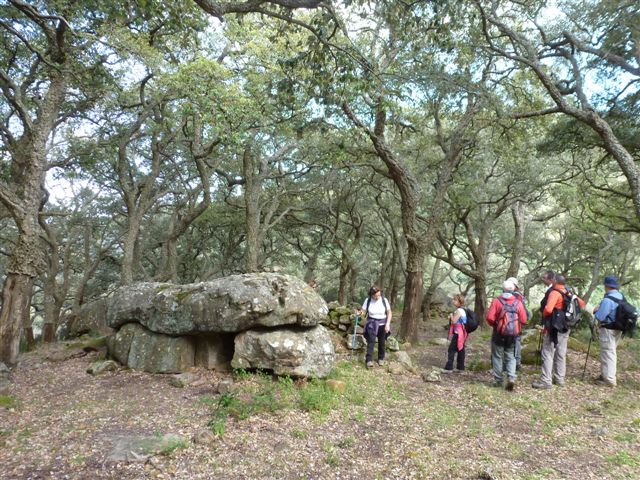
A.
x: 268, y: 321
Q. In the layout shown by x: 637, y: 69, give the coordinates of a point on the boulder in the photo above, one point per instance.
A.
x: 358, y: 344
x: 134, y: 449
x: 439, y: 341
x: 91, y: 318
x: 392, y: 344
x: 182, y: 380
x: 225, y: 386
x: 142, y: 349
x: 99, y: 367
x: 295, y: 352
x: 229, y: 304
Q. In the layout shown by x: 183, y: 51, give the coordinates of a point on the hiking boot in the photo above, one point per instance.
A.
x: 518, y: 367
x: 559, y: 383
x: 497, y: 384
x: 369, y: 364
x: 540, y: 385
x: 381, y: 363
x: 511, y: 385
x: 605, y: 383
x: 444, y: 370
x: 458, y: 371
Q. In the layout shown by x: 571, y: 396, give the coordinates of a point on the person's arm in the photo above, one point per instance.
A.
x: 581, y: 302
x: 522, y: 313
x: 492, y: 312
x: 554, y: 296
x: 604, y: 309
x: 387, y: 326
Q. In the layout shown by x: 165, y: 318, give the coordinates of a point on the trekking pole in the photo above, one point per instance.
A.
x: 584, y: 370
x: 355, y: 328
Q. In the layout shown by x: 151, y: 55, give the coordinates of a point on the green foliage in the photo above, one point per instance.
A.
x: 8, y: 402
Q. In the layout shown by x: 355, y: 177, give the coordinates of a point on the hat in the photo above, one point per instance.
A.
x: 508, y: 286
x: 513, y: 280
x: 611, y: 282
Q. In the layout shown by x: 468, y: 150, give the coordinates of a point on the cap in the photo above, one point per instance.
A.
x: 611, y: 282
x: 513, y: 280
x: 508, y: 286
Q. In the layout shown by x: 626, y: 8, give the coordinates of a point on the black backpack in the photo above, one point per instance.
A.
x: 472, y: 320
x: 626, y: 316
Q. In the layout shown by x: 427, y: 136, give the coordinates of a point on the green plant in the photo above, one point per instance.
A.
x: 624, y: 458
x: 317, y: 397
x: 241, y: 374
x: 7, y: 401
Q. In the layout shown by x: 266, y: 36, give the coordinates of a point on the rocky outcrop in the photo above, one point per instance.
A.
x: 165, y: 328
x: 299, y: 353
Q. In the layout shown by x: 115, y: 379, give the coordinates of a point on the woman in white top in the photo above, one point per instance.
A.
x: 457, y: 334
x: 378, y: 325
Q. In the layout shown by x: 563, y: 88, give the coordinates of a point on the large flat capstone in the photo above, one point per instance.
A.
x: 229, y: 304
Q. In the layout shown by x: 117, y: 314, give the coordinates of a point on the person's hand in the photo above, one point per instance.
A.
x: 387, y: 328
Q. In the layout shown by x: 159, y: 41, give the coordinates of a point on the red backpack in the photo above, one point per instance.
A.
x: 508, y: 325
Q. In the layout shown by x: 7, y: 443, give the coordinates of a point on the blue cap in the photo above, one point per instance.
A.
x: 611, y: 282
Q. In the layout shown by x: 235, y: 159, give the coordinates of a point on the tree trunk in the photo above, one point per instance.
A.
x: 16, y: 293
x: 129, y: 249
x: 411, y: 311
x: 428, y: 296
x: 480, y: 305
x: 517, y: 212
x: 343, y: 279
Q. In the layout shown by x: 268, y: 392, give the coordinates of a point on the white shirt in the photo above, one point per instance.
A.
x: 376, y: 308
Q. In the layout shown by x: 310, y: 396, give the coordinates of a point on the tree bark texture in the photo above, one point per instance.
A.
x: 16, y: 295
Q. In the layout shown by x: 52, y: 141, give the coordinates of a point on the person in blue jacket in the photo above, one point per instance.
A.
x: 605, y: 313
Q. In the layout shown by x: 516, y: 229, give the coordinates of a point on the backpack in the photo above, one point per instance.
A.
x: 508, y: 325
x: 571, y: 307
x: 626, y: 316
x: 472, y: 320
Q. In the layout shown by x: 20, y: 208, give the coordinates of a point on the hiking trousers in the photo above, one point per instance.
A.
x: 503, y: 358
x: 608, y: 354
x: 382, y: 337
x: 554, y: 358
x: 453, y: 349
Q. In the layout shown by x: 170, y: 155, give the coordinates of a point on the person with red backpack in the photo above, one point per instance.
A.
x: 506, y: 315
x: 555, y: 333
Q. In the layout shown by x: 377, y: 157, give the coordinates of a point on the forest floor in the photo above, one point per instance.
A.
x: 60, y: 422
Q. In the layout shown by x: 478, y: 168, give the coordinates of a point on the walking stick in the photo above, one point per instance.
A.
x: 355, y: 328
x: 584, y: 370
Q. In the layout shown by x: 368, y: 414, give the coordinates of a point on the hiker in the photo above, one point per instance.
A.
x: 518, y: 294
x: 457, y: 334
x: 555, y: 334
x: 376, y: 308
x: 506, y: 315
x: 605, y: 313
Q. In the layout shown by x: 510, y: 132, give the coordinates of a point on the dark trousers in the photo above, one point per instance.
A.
x: 382, y: 336
x: 453, y: 349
